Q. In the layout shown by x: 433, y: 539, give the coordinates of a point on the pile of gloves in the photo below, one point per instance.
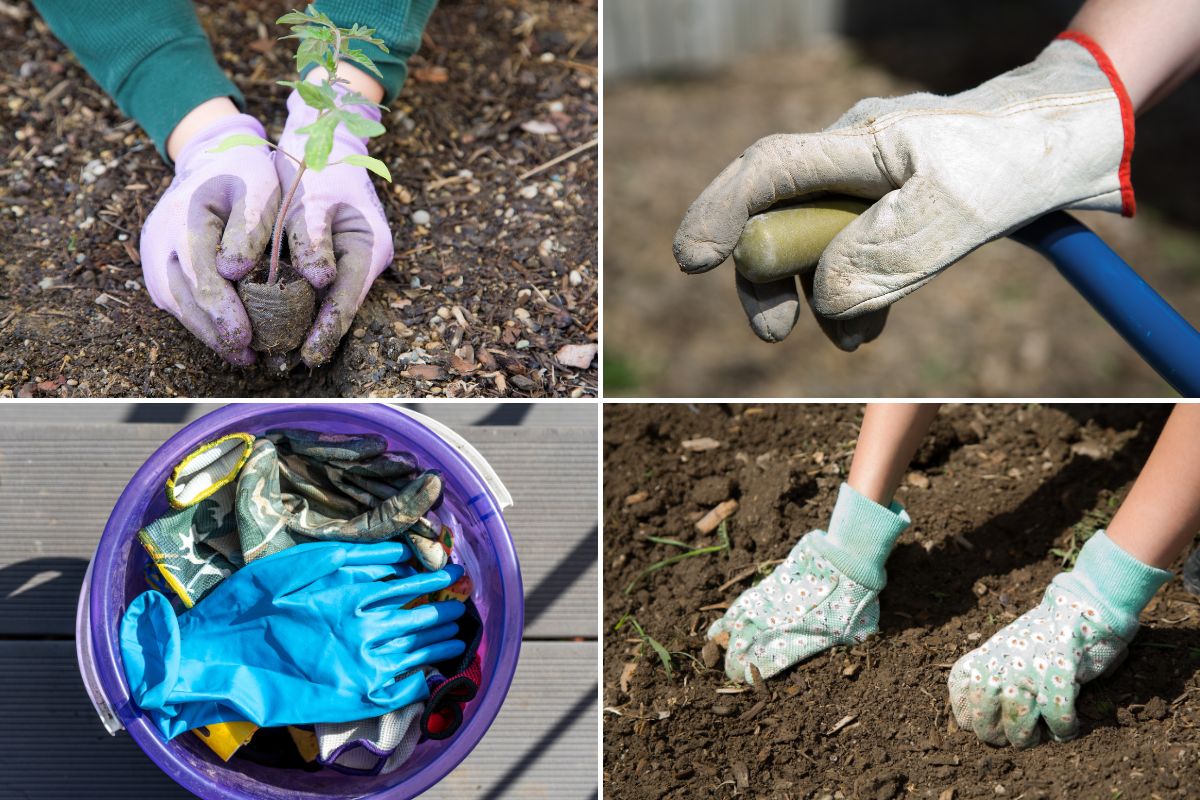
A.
x: 313, y: 588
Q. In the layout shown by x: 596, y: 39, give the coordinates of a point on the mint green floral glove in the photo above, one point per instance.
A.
x: 826, y: 593
x: 1033, y: 668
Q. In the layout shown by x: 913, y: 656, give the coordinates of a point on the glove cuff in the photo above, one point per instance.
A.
x: 1128, y: 204
x: 212, y: 135
x: 861, y: 536
x: 301, y: 114
x: 151, y: 650
x: 1118, y: 584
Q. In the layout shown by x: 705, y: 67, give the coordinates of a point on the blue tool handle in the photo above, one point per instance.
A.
x: 1151, y: 326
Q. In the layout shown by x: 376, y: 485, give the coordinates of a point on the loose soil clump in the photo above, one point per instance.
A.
x: 993, y: 492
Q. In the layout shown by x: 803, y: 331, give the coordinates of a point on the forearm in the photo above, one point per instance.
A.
x: 1154, y: 46
x: 1162, y: 512
x: 890, y: 436
x: 151, y: 57
x: 399, y: 23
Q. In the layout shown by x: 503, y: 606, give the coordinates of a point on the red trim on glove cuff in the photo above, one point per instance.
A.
x: 1128, y: 206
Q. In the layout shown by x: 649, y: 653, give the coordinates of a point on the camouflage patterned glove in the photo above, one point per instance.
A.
x: 1033, y: 668
x: 282, y: 501
x: 195, y: 546
x: 824, y: 594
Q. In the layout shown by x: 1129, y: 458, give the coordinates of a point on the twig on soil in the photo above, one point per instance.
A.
x: 714, y: 607
x: 699, y: 551
x: 844, y: 722
x: 716, y: 516
x: 574, y: 151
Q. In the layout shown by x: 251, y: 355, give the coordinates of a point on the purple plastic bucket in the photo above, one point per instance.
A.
x: 473, y: 500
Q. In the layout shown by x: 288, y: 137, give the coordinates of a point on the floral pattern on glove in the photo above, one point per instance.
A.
x: 805, y: 606
x: 1032, y: 669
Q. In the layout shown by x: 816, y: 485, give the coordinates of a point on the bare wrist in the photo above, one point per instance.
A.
x: 197, y: 120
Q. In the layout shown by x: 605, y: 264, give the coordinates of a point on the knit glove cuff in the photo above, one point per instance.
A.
x: 861, y: 535
x: 1116, y: 584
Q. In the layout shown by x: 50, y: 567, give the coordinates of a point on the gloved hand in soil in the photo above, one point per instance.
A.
x: 825, y: 593
x: 947, y: 173
x: 1033, y: 668
x: 338, y: 236
x: 208, y: 229
x: 313, y: 634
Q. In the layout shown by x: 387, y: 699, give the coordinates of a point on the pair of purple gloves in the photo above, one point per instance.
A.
x: 214, y: 222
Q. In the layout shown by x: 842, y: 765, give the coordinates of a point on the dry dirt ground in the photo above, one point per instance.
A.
x: 480, y: 300
x: 993, y: 491
x: 1000, y: 323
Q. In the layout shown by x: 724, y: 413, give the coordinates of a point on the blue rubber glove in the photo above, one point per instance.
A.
x: 311, y: 634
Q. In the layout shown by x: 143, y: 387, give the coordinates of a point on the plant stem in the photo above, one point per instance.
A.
x: 277, y: 234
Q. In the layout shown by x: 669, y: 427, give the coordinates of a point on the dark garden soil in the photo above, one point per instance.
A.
x: 481, y: 298
x: 992, y: 492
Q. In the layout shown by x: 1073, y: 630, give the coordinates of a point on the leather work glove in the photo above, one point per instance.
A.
x: 1033, y: 668
x: 338, y: 236
x: 209, y: 228
x: 825, y: 593
x: 285, y: 641
x: 948, y: 174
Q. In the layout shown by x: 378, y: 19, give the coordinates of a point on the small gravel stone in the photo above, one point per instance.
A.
x: 421, y: 217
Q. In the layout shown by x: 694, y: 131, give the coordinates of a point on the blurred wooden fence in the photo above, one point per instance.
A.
x: 686, y: 36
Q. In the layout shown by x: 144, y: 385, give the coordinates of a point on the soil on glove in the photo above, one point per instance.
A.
x: 281, y: 313
x: 992, y: 492
x: 494, y: 274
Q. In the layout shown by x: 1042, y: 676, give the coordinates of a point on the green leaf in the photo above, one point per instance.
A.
x: 293, y: 18
x: 360, y: 58
x: 310, y: 32
x: 373, y: 164
x: 663, y: 655
x: 356, y: 99
x: 318, y: 17
x: 672, y: 542
x: 239, y: 140
x: 320, y: 142
x: 316, y: 96
x: 359, y: 126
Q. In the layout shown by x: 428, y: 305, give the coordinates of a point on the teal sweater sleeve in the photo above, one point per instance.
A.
x: 150, y: 56
x: 399, y: 23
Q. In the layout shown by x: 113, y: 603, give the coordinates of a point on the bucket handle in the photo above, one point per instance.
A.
x: 87, y: 660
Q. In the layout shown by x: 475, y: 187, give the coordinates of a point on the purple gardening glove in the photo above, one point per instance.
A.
x: 338, y: 236
x: 208, y: 229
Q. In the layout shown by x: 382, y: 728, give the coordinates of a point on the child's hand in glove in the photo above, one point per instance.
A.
x: 1033, y: 668
x: 825, y: 593
x: 207, y: 231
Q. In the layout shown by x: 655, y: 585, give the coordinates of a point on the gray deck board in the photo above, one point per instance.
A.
x: 53, y: 747
x: 62, y: 467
